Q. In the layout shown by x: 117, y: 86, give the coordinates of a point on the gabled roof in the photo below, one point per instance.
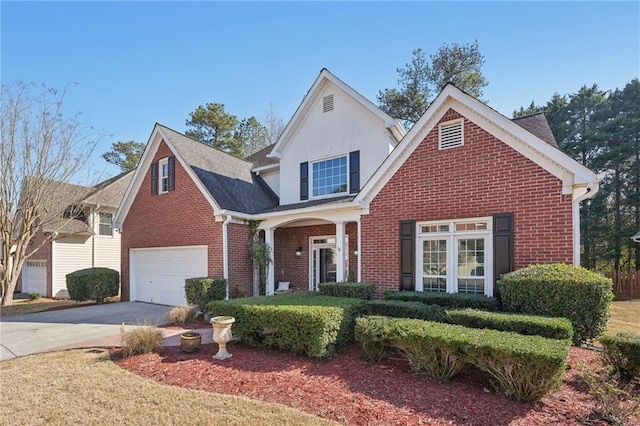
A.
x: 260, y: 159
x: 394, y: 126
x: 573, y: 174
x: 110, y: 192
x: 225, y: 181
x: 538, y: 125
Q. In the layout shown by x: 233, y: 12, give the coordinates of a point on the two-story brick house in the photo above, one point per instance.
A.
x: 347, y: 193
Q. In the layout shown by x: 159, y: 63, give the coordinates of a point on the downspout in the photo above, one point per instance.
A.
x: 589, y: 192
x: 225, y: 254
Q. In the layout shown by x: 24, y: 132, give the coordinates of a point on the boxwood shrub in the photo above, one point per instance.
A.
x: 622, y: 352
x: 523, y: 367
x: 560, y: 290
x: 447, y: 300
x: 201, y: 291
x: 400, y: 309
x: 362, y: 291
x: 311, y: 324
x: 552, y: 328
x: 93, y: 284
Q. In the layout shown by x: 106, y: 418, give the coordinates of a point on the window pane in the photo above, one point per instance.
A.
x: 330, y: 177
x: 434, y: 284
x: 434, y: 258
x: 474, y: 286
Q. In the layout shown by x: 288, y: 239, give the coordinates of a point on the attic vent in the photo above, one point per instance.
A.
x: 451, y: 134
x: 327, y: 103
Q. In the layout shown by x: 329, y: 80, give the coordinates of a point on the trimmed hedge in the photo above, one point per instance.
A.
x: 201, y: 291
x: 447, y: 300
x: 400, y: 309
x: 622, y: 352
x: 315, y: 325
x: 93, y: 284
x: 362, y: 291
x: 560, y: 290
x: 523, y: 367
x: 530, y: 325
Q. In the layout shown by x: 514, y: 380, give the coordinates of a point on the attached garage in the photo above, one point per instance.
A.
x: 158, y: 274
x: 34, y: 277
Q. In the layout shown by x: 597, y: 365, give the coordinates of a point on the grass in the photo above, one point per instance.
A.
x: 85, y: 387
x: 625, y: 316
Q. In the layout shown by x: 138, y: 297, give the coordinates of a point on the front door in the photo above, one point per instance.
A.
x: 323, y: 261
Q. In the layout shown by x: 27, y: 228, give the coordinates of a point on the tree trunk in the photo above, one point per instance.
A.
x: 617, y: 219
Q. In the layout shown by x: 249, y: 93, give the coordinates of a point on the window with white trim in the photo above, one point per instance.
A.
x: 329, y: 177
x: 455, y: 256
x: 451, y: 134
x: 104, y: 224
x: 163, y: 176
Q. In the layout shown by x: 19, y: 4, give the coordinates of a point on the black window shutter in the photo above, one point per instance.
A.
x: 407, y: 255
x: 154, y: 178
x: 304, y: 181
x: 354, y: 172
x: 502, y: 247
x: 171, y: 163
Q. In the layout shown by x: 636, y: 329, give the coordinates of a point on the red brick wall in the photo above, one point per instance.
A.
x: 481, y: 178
x: 240, y: 265
x: 182, y: 217
x: 295, y: 269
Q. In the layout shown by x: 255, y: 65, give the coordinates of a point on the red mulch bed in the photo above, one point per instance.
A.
x: 353, y: 392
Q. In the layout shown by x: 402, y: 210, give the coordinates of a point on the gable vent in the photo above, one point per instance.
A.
x: 451, y: 134
x: 327, y: 103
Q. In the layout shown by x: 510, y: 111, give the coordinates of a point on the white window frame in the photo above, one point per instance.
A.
x: 310, y: 183
x: 452, y: 236
x: 162, y: 177
x: 447, y: 124
x: 110, y: 235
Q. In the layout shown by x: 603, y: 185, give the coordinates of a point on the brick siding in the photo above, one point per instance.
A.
x: 481, y: 178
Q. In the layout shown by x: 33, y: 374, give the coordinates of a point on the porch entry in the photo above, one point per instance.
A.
x: 323, y: 260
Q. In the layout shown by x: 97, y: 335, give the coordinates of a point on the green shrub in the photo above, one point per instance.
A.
x: 400, y: 309
x: 311, y: 324
x: 180, y: 315
x: 201, y: 291
x: 622, y: 353
x: 552, y: 328
x: 362, y: 291
x: 560, y: 290
x: 141, y: 340
x: 446, y: 300
x: 34, y: 295
x: 93, y: 284
x: 375, y: 336
x: 523, y: 367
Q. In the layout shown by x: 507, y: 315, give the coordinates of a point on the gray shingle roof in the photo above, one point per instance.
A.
x: 228, y: 179
x: 311, y: 203
x: 110, y: 192
x: 259, y: 158
x: 538, y: 125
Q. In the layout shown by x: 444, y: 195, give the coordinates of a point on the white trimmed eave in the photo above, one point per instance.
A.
x: 266, y: 168
x: 394, y: 126
x: 556, y: 162
x: 157, y: 136
x: 313, y: 211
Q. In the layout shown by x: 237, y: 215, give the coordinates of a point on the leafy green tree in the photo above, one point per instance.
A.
x: 421, y: 79
x: 214, y: 126
x: 125, y: 155
x: 251, y: 135
x: 531, y: 109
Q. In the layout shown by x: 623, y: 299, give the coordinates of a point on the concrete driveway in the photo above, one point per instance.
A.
x: 72, y: 328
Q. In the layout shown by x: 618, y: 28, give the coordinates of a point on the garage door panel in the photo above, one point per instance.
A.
x: 157, y: 275
x: 34, y: 276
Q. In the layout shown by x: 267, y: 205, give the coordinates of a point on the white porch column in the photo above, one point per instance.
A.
x: 268, y: 239
x: 359, y: 256
x: 340, y: 234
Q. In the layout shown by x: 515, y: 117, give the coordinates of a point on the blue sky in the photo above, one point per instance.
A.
x: 137, y: 63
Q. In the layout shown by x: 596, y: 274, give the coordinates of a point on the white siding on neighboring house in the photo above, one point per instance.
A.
x: 349, y: 126
x: 69, y: 254
x: 106, y: 248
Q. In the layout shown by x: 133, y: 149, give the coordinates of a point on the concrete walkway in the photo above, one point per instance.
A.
x: 89, y: 326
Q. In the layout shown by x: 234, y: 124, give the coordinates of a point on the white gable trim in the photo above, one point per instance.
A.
x: 394, y: 126
x: 157, y: 136
x: 551, y: 159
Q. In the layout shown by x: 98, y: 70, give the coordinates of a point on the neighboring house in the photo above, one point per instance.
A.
x: 347, y: 194
x: 636, y: 237
x: 83, y: 236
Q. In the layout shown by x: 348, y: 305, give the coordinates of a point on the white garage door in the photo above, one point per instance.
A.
x: 34, y: 277
x: 158, y: 274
